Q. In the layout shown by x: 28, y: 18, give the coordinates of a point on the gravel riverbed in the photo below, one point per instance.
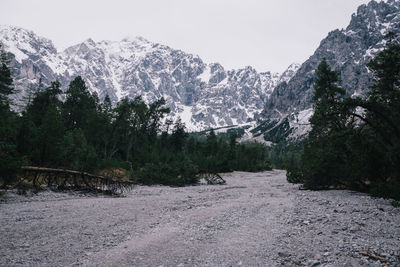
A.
x: 256, y: 219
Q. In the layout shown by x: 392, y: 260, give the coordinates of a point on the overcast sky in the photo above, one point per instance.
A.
x: 265, y: 34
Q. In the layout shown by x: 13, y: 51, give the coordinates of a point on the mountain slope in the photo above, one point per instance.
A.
x: 203, y: 95
x: 349, y: 51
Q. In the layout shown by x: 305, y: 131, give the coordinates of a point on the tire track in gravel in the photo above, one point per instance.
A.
x: 230, y: 225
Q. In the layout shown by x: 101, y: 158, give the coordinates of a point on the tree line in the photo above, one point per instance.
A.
x: 354, y: 142
x: 85, y: 134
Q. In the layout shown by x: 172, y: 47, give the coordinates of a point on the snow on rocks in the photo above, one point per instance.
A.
x: 212, y: 96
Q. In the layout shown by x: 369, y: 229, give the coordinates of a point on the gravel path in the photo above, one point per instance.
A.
x: 257, y: 219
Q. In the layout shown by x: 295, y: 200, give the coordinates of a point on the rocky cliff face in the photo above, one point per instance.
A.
x: 203, y: 95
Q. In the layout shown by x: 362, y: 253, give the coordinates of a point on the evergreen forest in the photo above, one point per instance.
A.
x: 74, y: 130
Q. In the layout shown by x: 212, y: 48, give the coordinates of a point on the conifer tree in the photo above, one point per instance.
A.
x: 6, y: 81
x: 78, y: 106
x: 178, y: 136
x: 355, y: 142
x: 323, y: 150
x: 326, y: 98
x: 42, y: 124
x: 9, y: 158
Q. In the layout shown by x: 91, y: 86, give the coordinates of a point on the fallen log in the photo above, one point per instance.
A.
x: 71, y: 179
x: 43, y: 169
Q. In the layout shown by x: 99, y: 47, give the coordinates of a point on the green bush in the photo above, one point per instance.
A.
x: 10, y: 164
x: 387, y: 189
x: 10, y: 160
x: 294, y: 175
x: 176, y: 173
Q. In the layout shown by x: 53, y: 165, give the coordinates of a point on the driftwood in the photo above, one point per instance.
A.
x: 212, y: 177
x: 373, y: 256
x: 69, y: 179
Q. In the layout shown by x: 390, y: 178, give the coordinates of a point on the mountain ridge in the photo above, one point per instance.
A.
x: 205, y: 95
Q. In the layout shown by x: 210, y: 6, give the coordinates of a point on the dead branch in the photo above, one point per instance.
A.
x: 372, y: 255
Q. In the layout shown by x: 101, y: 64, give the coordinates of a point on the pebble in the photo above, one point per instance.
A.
x: 313, y: 263
x: 318, y: 228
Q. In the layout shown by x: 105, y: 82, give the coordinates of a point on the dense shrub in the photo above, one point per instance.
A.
x: 173, y: 173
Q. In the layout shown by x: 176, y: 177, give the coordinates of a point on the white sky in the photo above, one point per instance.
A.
x: 265, y: 34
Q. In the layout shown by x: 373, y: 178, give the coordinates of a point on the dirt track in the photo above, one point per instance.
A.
x: 257, y: 219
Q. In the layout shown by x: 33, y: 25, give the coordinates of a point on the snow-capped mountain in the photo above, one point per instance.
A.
x: 203, y: 95
x: 347, y: 50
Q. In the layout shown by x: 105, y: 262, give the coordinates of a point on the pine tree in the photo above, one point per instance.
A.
x: 383, y: 116
x: 6, y: 81
x: 178, y: 136
x: 42, y: 129
x: 346, y: 147
x: 327, y: 115
x: 78, y: 106
x: 9, y: 158
x: 322, y: 157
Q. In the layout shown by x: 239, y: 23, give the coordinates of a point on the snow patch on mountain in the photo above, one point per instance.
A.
x: 300, y: 123
x: 205, y: 75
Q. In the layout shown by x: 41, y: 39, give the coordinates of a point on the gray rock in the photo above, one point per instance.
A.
x: 313, y: 263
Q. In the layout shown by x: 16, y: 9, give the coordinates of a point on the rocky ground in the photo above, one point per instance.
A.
x: 256, y: 219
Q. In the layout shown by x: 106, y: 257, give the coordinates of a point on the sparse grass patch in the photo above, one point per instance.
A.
x: 395, y: 203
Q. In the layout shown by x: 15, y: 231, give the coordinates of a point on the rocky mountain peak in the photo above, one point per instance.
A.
x: 21, y: 42
x: 137, y: 40
x: 289, y: 72
x: 375, y: 16
x: 203, y: 95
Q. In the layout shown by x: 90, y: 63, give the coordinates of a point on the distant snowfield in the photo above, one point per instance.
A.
x: 256, y: 219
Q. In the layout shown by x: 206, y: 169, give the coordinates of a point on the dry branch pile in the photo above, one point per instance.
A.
x: 69, y: 179
x: 211, y: 177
